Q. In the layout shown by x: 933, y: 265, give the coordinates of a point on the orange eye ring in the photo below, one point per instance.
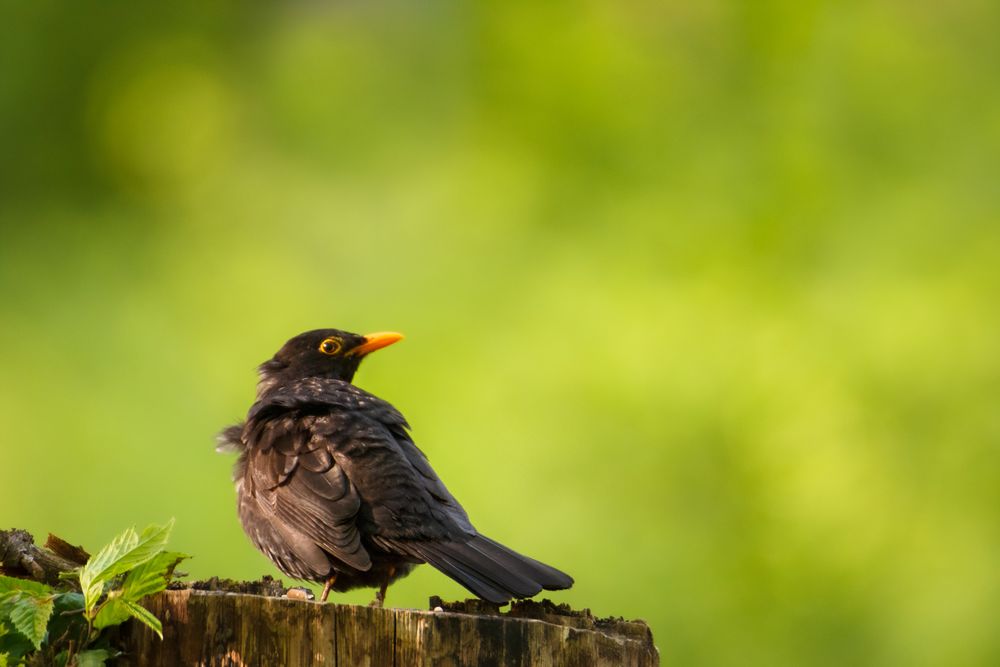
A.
x: 330, y: 346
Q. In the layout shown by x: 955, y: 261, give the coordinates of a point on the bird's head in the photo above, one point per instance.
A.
x: 327, y: 353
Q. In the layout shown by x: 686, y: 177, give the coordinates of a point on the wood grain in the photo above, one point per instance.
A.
x: 217, y: 629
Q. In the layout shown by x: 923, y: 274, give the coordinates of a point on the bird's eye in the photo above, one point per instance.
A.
x: 330, y: 346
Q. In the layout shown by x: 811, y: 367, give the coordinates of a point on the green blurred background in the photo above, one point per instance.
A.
x: 700, y: 298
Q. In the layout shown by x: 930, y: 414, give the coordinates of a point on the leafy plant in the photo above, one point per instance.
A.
x: 27, y: 606
x: 40, y: 625
x: 148, y: 569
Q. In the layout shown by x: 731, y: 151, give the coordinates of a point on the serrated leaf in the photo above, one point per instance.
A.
x: 3, y: 660
x: 125, y: 552
x: 110, y: 553
x: 112, y: 612
x: 91, y: 579
x: 151, y: 542
x: 30, y: 616
x: 152, y: 576
x: 92, y: 658
x: 13, y: 584
x: 146, y: 616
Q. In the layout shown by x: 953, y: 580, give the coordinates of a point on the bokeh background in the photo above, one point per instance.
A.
x: 700, y: 297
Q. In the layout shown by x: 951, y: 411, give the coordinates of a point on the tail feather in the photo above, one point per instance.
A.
x: 508, y: 579
x: 469, y: 578
x: 489, y: 569
x: 547, y: 576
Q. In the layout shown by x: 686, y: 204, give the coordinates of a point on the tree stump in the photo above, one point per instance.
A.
x: 221, y: 629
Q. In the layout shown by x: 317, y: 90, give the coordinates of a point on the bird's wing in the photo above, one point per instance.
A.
x: 490, y: 570
x: 300, y: 488
x: 404, y: 508
x: 337, y: 463
x: 403, y: 497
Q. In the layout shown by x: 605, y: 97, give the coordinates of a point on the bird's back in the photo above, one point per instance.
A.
x: 329, y: 481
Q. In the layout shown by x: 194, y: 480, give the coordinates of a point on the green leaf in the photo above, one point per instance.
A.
x: 144, y: 615
x: 93, y: 658
x: 3, y: 660
x: 151, y: 542
x: 92, y: 575
x: 28, y: 606
x: 13, y: 584
x: 152, y: 576
x: 69, y: 602
x: 30, y: 616
x: 66, y: 621
x: 112, y: 612
x: 124, y: 553
x: 15, y: 646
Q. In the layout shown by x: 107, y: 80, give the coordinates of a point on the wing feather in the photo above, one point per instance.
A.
x: 331, y: 469
x: 292, y: 473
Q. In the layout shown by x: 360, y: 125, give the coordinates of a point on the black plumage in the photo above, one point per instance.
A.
x: 332, y: 488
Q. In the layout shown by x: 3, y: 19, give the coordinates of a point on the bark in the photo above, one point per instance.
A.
x: 214, y: 628
x: 19, y: 557
x: 223, y: 623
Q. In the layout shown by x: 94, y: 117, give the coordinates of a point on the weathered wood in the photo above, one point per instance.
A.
x: 20, y: 557
x: 222, y: 623
x: 218, y: 629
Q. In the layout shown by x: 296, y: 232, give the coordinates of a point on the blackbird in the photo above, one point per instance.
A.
x: 332, y: 488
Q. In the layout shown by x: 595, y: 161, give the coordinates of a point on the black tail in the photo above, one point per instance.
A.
x: 490, y: 570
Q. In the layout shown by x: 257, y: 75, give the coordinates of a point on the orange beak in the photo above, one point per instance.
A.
x: 376, y: 341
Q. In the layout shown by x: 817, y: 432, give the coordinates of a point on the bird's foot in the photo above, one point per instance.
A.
x: 380, y: 596
x: 326, y: 588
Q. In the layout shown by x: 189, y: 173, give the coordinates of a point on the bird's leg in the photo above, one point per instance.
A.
x: 327, y: 586
x: 380, y: 596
